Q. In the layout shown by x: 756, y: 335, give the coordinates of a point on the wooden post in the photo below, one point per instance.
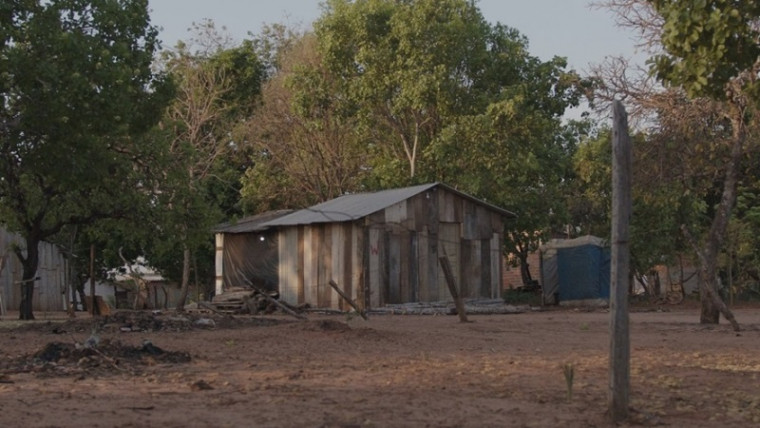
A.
x: 620, y: 353
x: 353, y: 304
x: 451, y: 282
x: 277, y: 303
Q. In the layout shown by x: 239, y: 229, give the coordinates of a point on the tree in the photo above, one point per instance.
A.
x: 663, y: 197
x: 303, y: 138
x: 516, y: 152
x: 709, y: 51
x: 517, y: 157
x: 217, y: 89
x: 408, y: 67
x: 590, y: 194
x: 76, y: 85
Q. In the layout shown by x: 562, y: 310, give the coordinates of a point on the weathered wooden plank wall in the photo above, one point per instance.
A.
x: 356, y: 278
x: 392, y: 256
x: 288, y: 266
x: 450, y: 247
x: 311, y: 265
x: 219, y: 263
x: 301, y: 263
x: 375, y: 261
x: 486, y: 281
x: 311, y: 256
x: 324, y: 264
x: 496, y: 265
x: 49, y: 290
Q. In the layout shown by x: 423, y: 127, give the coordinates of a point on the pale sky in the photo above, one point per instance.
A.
x: 568, y: 28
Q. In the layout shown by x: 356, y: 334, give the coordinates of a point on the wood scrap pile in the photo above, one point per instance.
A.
x: 242, y: 301
x: 252, y: 301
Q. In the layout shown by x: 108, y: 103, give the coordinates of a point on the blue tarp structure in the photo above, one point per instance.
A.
x: 575, y: 270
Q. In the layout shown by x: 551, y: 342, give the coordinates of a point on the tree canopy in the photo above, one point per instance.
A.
x: 388, y: 94
x: 76, y: 85
x: 707, y: 43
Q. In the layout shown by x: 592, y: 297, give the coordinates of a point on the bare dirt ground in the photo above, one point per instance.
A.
x: 391, y: 371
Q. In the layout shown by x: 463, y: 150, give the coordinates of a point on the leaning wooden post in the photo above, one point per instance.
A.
x: 620, y: 348
x: 350, y: 301
x: 272, y: 300
x: 277, y: 303
x: 451, y: 282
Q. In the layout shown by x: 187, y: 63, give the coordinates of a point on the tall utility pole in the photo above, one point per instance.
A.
x: 620, y: 343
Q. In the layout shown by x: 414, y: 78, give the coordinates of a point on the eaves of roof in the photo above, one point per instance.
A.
x: 252, y: 223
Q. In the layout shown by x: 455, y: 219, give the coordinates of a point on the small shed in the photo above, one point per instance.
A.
x: 118, y: 291
x: 575, y: 271
x: 247, y: 251
x: 380, y: 248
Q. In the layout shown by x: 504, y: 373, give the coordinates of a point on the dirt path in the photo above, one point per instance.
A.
x: 416, y: 371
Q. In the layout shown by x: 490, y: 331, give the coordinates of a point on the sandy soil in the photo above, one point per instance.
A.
x: 390, y: 371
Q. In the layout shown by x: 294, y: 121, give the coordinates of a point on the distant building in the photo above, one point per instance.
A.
x: 380, y: 248
x: 119, y: 291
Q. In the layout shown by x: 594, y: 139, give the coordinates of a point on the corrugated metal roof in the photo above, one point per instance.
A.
x: 354, y: 207
x: 250, y: 224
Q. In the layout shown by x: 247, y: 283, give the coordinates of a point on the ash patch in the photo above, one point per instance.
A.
x: 58, y: 359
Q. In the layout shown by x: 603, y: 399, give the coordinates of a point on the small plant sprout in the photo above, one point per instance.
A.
x: 569, y: 372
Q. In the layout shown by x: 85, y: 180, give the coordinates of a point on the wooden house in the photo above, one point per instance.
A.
x: 380, y: 248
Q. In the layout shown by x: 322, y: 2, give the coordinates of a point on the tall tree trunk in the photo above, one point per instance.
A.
x: 82, y: 297
x: 527, y: 278
x: 72, y: 306
x: 198, y: 295
x: 185, y: 280
x: 95, y: 310
x: 29, y: 262
x: 712, y: 304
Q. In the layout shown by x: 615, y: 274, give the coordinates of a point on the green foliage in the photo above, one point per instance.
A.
x: 408, y: 67
x: 244, y: 70
x: 77, y: 83
x: 707, y: 43
x: 77, y: 88
x: 711, y: 50
x: 264, y: 184
x: 516, y: 155
x: 662, y: 201
x: 740, y: 260
x: 591, y: 192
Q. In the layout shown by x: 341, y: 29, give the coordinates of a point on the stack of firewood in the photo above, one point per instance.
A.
x: 245, y: 301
